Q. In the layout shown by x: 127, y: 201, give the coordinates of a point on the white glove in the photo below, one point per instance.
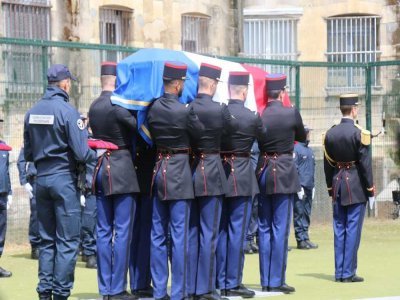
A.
x: 313, y: 194
x: 83, y: 201
x: 29, y: 189
x: 9, y: 201
x: 300, y: 194
x: 371, y: 201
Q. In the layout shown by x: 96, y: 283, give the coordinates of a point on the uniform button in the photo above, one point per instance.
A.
x: 154, y: 171
x: 337, y: 178
x: 135, y: 168
x: 274, y: 169
x: 137, y: 153
x: 165, y: 171
x: 108, y: 167
x: 202, y: 168
x: 233, y: 170
x: 347, y: 178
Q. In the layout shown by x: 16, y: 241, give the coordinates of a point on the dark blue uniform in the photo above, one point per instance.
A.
x: 305, y: 162
x: 116, y: 186
x: 5, y: 190
x: 170, y: 124
x: 56, y: 141
x: 278, y: 180
x: 348, y: 174
x: 27, y: 174
x: 242, y: 187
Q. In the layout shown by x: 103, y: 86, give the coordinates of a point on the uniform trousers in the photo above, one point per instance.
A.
x: 88, y: 231
x: 302, y: 214
x: 175, y: 215
x: 33, y: 232
x: 252, y: 231
x: 193, y: 244
x: 347, y: 226
x: 234, y: 222
x: 115, y: 214
x: 274, y: 213
x: 59, y: 216
x: 3, y: 220
x: 139, y: 265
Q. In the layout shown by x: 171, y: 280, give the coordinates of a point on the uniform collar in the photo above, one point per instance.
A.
x: 274, y: 103
x: 52, y: 91
x: 104, y: 93
x: 347, y: 120
x: 236, y: 101
x: 171, y: 96
x: 204, y: 96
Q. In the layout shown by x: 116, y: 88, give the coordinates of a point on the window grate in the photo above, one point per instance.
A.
x: 352, y: 39
x: 195, y: 33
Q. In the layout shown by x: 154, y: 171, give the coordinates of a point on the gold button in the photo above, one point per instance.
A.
x: 274, y: 169
x: 233, y: 170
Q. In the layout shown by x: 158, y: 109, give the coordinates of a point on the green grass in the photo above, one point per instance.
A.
x: 309, y: 271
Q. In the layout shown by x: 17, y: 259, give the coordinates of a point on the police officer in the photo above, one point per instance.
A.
x: 115, y: 185
x: 139, y: 265
x: 242, y: 187
x: 278, y: 180
x: 348, y: 173
x: 89, y: 213
x: 27, y: 178
x: 56, y: 141
x: 170, y: 123
x: 210, y: 182
x: 5, y: 197
x: 305, y: 162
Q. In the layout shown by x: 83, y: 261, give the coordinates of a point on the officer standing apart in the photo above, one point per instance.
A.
x: 210, y: 182
x: 348, y: 173
x: 242, y: 187
x: 278, y: 180
x: 116, y: 186
x: 305, y: 162
x: 170, y: 123
x: 139, y: 264
x: 5, y: 197
x: 56, y: 141
x: 27, y: 178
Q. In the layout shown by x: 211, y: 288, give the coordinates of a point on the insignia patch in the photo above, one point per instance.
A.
x: 80, y: 124
x: 41, y: 119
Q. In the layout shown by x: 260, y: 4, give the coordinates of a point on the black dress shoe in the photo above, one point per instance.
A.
x: 248, y: 249
x: 190, y: 297
x: 286, y: 289
x: 143, y: 293
x: 311, y: 244
x: 35, y: 253
x: 84, y: 257
x: 122, y: 296
x: 209, y: 296
x: 59, y: 297
x: 5, y: 273
x: 338, y: 279
x: 241, y: 291
x: 91, y: 262
x: 45, y: 296
x: 265, y: 288
x: 254, y: 247
x: 166, y: 297
x: 354, y: 278
x: 302, y: 245
x: 105, y: 297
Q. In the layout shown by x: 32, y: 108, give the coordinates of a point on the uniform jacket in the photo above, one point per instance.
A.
x: 209, y: 178
x: 284, y: 126
x: 347, y: 164
x: 5, y: 183
x: 55, y: 138
x: 115, y: 124
x: 26, y: 170
x: 237, y: 146
x: 305, y: 162
x: 144, y: 163
x: 171, y: 123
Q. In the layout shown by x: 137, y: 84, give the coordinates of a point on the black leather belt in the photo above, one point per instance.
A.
x: 235, y: 154
x: 277, y: 154
x: 172, y: 151
x: 345, y: 164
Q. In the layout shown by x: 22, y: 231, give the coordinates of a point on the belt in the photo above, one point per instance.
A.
x: 276, y: 154
x: 202, y: 153
x: 345, y: 165
x: 172, y: 151
x: 235, y: 154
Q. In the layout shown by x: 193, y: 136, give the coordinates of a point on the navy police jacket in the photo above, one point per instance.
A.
x: 305, y: 162
x: 347, y: 163
x: 236, y: 150
x: 26, y: 170
x: 55, y: 138
x: 5, y: 183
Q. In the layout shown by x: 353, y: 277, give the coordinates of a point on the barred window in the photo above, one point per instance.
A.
x: 115, y: 29
x: 28, y: 19
x: 352, y: 39
x: 271, y: 38
x: 194, y: 30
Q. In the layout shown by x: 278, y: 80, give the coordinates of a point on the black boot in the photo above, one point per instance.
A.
x: 35, y: 253
x: 303, y: 245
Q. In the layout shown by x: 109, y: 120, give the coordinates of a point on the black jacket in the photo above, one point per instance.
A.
x: 209, y: 178
x: 284, y: 126
x: 347, y: 163
x: 171, y: 123
x: 237, y: 146
x: 115, y: 124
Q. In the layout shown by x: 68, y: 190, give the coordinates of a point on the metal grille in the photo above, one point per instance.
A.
x: 352, y: 39
x: 195, y: 33
x: 115, y: 29
x: 25, y: 19
x: 270, y: 38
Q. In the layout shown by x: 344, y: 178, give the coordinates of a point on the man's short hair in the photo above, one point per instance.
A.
x: 346, y: 109
x: 170, y: 82
x: 273, y: 94
x: 205, y: 82
x: 236, y: 89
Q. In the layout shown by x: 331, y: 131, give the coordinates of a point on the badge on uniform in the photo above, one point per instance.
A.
x: 80, y: 124
x: 41, y: 119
